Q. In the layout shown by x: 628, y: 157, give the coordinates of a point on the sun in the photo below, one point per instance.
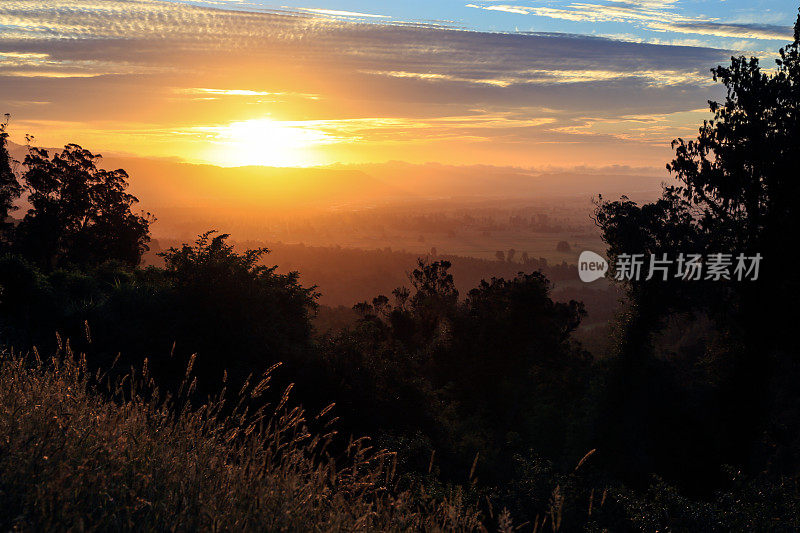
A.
x: 266, y: 142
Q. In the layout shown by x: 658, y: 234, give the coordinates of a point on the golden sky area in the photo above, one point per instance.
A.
x: 309, y: 87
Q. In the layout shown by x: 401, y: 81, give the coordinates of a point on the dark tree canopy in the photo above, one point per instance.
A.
x: 80, y: 214
x: 222, y: 303
x: 741, y: 172
x: 737, y: 183
x: 501, y: 356
x: 10, y: 189
x: 737, y: 190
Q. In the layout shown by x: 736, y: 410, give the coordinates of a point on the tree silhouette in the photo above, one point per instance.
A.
x: 494, y: 373
x: 10, y: 188
x: 737, y: 184
x: 221, y: 302
x: 80, y: 214
x: 736, y: 192
x: 741, y: 170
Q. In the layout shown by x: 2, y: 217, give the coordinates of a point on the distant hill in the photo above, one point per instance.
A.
x: 170, y: 183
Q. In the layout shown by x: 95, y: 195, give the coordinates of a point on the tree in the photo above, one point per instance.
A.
x: 80, y: 214
x: 741, y: 171
x: 737, y: 185
x: 10, y: 189
x: 238, y: 314
x: 495, y: 373
x: 736, y: 191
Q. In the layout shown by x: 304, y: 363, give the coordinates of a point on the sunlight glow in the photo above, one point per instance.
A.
x: 266, y: 142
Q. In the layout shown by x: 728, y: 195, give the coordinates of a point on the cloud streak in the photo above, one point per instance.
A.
x: 337, y: 13
x: 718, y: 29
x: 652, y: 15
x: 140, y: 69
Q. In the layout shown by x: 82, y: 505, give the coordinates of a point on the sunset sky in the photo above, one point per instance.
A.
x: 530, y: 83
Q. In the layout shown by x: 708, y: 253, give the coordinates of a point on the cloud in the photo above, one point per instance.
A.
x: 38, y: 64
x: 519, y: 10
x: 738, y: 31
x: 167, y: 67
x: 581, y: 12
x: 561, y: 76
x: 137, y: 35
x: 241, y: 92
x: 336, y: 13
x: 652, y: 15
x: 438, y: 77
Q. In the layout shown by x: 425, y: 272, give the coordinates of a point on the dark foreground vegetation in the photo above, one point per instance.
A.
x: 77, y: 455
x: 495, y: 416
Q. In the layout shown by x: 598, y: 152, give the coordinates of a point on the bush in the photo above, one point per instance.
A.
x: 209, y: 301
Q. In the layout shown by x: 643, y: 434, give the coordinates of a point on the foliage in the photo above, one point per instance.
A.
x: 736, y: 192
x: 219, y: 300
x: 80, y: 214
x: 76, y: 456
x: 208, y: 301
x: 492, y: 374
x: 10, y: 189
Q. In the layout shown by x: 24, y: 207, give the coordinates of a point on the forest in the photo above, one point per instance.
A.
x: 199, y: 386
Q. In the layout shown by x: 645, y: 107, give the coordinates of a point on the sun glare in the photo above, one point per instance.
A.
x: 267, y: 142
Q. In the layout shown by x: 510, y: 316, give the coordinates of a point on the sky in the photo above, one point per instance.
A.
x: 527, y: 83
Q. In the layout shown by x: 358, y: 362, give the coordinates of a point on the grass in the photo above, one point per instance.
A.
x: 78, y: 455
